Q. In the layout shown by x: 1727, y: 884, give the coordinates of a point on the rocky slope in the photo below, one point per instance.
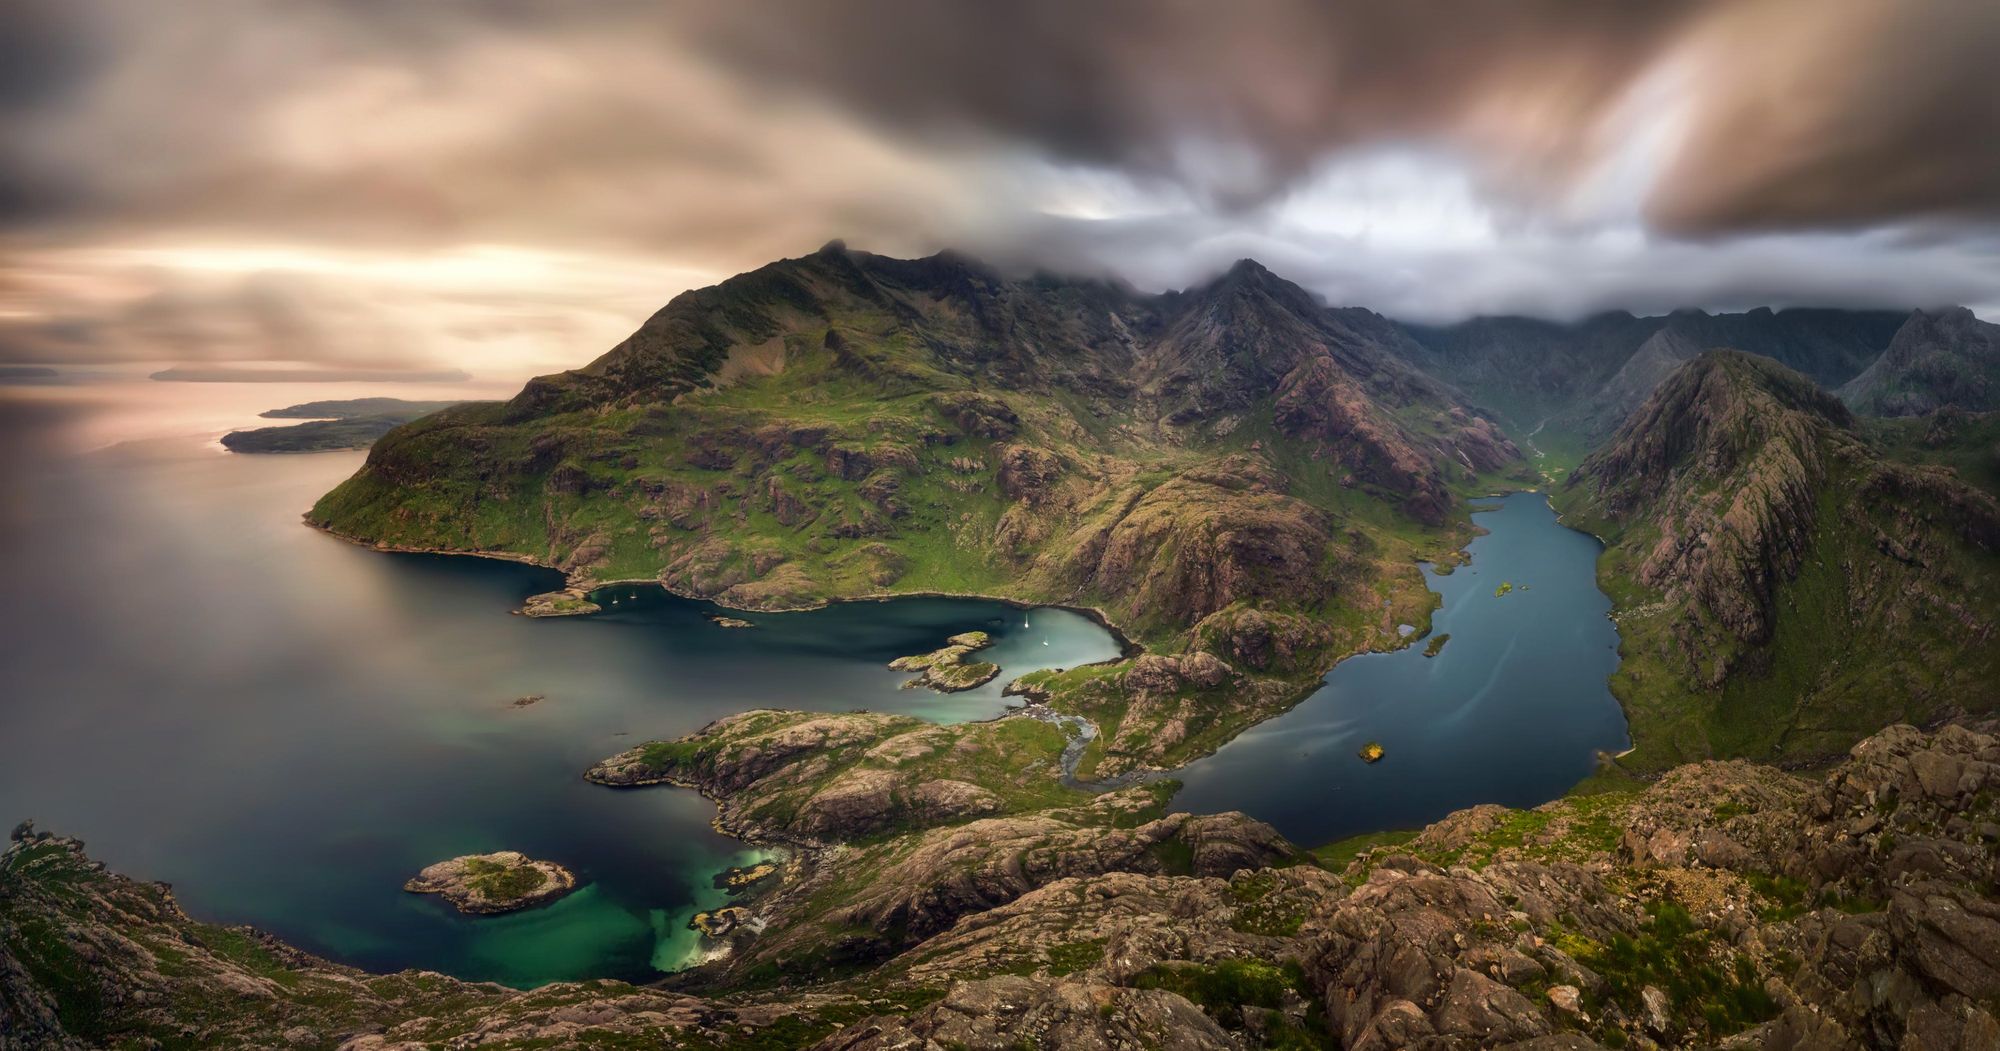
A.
x: 1784, y: 587
x: 1939, y: 359
x: 1728, y: 904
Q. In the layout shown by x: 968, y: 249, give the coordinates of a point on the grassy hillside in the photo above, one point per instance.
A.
x: 1234, y: 467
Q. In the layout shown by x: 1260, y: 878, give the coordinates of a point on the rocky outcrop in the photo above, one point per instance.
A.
x: 797, y: 776
x: 947, y: 670
x: 1010, y: 1011
x: 1204, y: 540
x: 484, y: 884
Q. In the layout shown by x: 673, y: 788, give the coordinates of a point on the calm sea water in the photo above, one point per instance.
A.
x: 1512, y: 710
x: 286, y: 726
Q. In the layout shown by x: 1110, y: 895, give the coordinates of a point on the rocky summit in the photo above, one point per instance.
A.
x: 1727, y: 904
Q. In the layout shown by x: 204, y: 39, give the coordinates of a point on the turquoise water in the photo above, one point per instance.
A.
x: 1512, y: 710
x: 286, y: 727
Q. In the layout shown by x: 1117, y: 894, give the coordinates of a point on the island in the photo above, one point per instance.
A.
x: 485, y: 884
x: 350, y: 408
x: 1505, y: 587
x: 946, y: 670
x: 1437, y: 644
x: 740, y: 878
x: 1371, y: 752
x: 721, y: 621
x: 238, y: 374
x: 568, y: 602
x: 350, y: 424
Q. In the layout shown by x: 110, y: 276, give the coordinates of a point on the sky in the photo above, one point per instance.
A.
x: 511, y: 186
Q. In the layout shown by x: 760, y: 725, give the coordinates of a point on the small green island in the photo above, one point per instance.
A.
x: 1436, y: 644
x: 1505, y: 587
x: 946, y: 670
x: 1371, y: 752
x: 486, y: 884
x: 568, y: 602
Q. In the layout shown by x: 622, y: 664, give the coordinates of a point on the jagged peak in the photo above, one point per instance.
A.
x: 1249, y: 276
x: 1740, y: 373
x: 1924, y: 319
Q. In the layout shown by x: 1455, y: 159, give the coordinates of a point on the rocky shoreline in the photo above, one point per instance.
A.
x: 582, y: 585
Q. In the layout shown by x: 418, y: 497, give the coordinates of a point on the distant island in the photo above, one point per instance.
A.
x: 225, y: 374
x: 353, y: 423
x: 26, y: 372
x: 349, y: 408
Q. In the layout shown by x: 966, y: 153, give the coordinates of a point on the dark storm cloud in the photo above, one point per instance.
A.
x: 1563, y: 156
x: 1800, y: 112
x: 1795, y: 113
x: 1149, y: 85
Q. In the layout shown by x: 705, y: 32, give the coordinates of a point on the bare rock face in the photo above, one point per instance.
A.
x: 1320, y: 402
x: 1266, y: 641
x: 1159, y: 674
x: 1007, y: 1011
x: 483, y: 884
x: 949, y: 873
x: 1028, y: 474
x: 1204, y: 540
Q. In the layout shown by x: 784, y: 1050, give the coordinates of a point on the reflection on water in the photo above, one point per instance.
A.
x: 286, y: 726
x: 1511, y: 710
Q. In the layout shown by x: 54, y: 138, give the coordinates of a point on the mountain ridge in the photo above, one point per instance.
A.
x: 1776, y: 569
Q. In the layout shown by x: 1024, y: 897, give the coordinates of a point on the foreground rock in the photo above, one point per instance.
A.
x: 484, y: 884
x: 1728, y: 905
x: 947, y: 670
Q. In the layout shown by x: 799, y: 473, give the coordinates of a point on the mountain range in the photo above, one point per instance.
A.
x: 1243, y: 479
